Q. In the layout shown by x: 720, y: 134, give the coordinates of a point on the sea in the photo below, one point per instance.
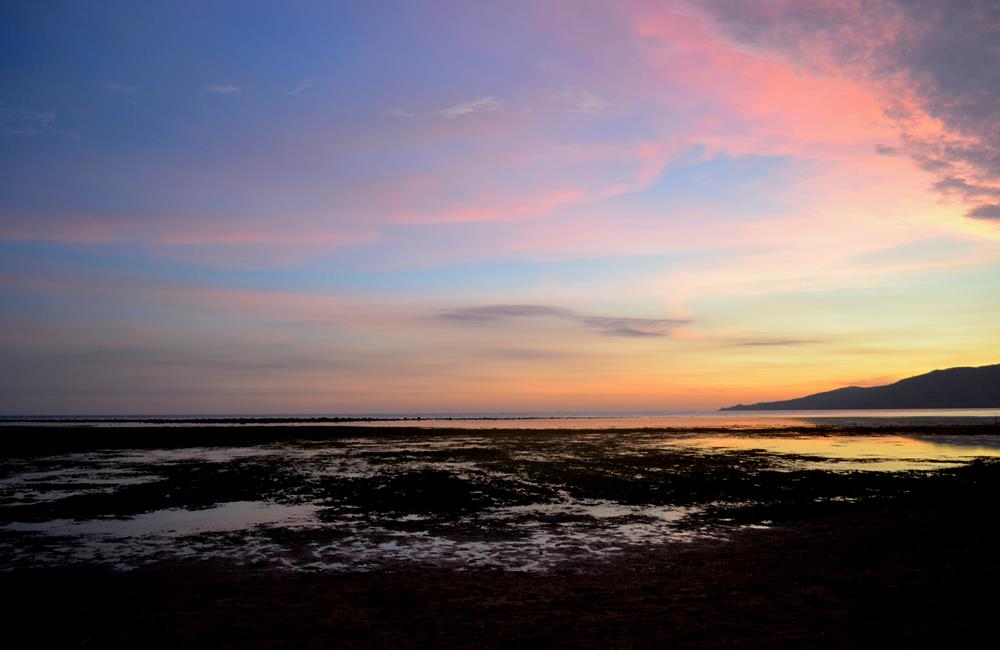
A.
x: 547, y: 420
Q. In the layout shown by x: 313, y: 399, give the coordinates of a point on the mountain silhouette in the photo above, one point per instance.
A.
x: 951, y: 388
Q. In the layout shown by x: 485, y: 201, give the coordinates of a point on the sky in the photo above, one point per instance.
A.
x: 539, y: 206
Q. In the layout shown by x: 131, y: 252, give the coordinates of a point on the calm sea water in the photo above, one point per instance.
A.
x: 728, y: 419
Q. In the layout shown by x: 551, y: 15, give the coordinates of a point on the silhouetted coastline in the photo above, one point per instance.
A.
x: 952, y: 388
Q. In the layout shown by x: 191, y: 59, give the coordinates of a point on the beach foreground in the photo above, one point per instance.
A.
x: 772, y: 548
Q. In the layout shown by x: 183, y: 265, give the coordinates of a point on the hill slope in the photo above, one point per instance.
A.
x: 951, y: 388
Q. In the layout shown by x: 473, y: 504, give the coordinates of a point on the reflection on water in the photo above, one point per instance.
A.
x: 237, y: 515
x: 479, y: 498
x: 874, y: 453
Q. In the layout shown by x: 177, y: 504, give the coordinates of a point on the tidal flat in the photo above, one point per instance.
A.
x: 645, y: 530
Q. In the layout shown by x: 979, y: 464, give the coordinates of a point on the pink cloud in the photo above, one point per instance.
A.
x: 743, y: 101
x: 931, y: 65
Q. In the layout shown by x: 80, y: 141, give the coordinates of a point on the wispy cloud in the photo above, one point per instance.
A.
x: 583, y: 102
x: 19, y: 121
x: 117, y: 87
x: 481, y: 105
x: 774, y: 343
x: 305, y: 85
x: 605, y: 325
x: 224, y: 89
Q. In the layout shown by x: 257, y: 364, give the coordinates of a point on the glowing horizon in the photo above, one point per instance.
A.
x: 456, y: 207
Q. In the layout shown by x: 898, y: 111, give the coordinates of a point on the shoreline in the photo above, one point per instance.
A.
x: 19, y: 440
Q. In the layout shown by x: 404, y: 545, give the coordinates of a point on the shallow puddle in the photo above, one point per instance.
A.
x: 478, y: 499
x: 227, y: 517
x: 871, y: 453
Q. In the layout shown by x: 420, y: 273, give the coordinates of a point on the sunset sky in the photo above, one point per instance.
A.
x: 374, y: 207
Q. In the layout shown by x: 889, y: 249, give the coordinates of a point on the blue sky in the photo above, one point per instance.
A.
x: 273, y: 207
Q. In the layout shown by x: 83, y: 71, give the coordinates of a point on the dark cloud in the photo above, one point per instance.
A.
x: 489, y: 313
x: 939, y: 58
x: 986, y: 211
x: 632, y: 332
x: 605, y: 325
x: 761, y: 343
x: 961, y: 187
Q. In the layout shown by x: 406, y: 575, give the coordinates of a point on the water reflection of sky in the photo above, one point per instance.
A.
x: 875, y: 453
x: 547, y: 518
x: 228, y: 517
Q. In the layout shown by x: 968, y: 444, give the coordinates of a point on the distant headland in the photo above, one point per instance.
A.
x: 977, y: 387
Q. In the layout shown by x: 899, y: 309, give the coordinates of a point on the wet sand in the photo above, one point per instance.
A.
x: 915, y: 565
x: 915, y: 574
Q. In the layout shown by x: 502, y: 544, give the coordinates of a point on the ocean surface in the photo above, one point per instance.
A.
x: 694, y: 419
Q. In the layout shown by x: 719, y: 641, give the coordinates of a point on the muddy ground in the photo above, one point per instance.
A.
x: 849, y: 559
